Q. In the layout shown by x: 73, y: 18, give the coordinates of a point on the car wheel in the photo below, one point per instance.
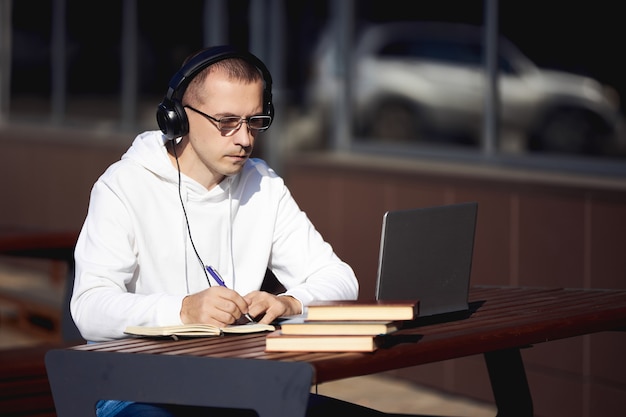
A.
x: 566, y: 131
x: 393, y: 121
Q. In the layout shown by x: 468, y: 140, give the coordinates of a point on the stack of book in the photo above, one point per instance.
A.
x: 342, y: 326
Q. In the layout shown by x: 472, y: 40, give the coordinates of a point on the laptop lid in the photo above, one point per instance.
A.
x: 426, y: 254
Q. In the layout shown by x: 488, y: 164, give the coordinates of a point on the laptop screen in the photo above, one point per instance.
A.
x: 426, y: 254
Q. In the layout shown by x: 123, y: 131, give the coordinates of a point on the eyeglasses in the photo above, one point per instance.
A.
x: 228, y: 125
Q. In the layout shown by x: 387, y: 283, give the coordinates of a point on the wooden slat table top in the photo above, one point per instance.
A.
x: 502, y: 318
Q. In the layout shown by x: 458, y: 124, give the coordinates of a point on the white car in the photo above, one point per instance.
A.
x: 426, y: 82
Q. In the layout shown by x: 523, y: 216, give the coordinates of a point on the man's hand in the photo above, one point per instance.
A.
x: 218, y: 306
x: 271, y: 306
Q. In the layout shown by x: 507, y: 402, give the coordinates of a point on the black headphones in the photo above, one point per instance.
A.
x: 171, y: 115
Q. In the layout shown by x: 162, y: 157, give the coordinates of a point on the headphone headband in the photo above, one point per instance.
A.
x: 171, y: 116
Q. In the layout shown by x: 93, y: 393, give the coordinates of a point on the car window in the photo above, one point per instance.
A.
x: 434, y: 50
x: 505, y: 66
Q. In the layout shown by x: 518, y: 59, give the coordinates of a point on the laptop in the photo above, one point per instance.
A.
x: 426, y: 254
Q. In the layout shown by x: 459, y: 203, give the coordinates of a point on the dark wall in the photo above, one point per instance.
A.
x: 533, y: 229
x: 47, y: 174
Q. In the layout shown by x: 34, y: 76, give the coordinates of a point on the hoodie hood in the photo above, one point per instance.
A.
x: 149, y: 151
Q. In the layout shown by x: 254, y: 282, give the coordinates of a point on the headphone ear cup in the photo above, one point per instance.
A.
x: 172, y: 119
x: 269, y: 105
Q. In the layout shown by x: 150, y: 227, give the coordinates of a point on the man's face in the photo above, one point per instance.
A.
x: 212, y: 154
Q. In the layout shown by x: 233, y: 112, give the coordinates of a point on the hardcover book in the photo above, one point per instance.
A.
x: 363, y: 310
x: 279, y: 342
x: 300, y: 326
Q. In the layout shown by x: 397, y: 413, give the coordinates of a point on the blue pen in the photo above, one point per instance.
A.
x: 216, y: 276
x: 220, y: 281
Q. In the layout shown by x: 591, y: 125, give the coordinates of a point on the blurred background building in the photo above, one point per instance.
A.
x: 340, y: 83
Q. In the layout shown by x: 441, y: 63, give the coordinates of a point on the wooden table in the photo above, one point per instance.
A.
x: 216, y: 371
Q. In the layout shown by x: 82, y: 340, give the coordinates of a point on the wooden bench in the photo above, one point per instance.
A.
x: 24, y: 387
x: 37, y: 313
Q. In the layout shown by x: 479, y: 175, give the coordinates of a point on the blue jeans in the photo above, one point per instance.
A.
x: 110, y: 408
x: 319, y: 406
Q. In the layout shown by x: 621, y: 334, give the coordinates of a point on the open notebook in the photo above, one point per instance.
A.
x: 426, y: 254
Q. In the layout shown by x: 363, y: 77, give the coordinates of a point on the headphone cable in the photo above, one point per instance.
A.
x: 180, y: 196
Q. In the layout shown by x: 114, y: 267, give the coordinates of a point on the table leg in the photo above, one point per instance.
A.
x: 509, y: 383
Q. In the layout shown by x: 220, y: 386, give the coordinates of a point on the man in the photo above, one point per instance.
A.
x: 188, y: 201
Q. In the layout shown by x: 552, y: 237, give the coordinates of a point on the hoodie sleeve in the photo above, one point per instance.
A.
x: 106, y: 264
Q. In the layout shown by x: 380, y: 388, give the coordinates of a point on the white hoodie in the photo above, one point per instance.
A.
x: 135, y: 261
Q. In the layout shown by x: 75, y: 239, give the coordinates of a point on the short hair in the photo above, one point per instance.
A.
x: 236, y: 69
